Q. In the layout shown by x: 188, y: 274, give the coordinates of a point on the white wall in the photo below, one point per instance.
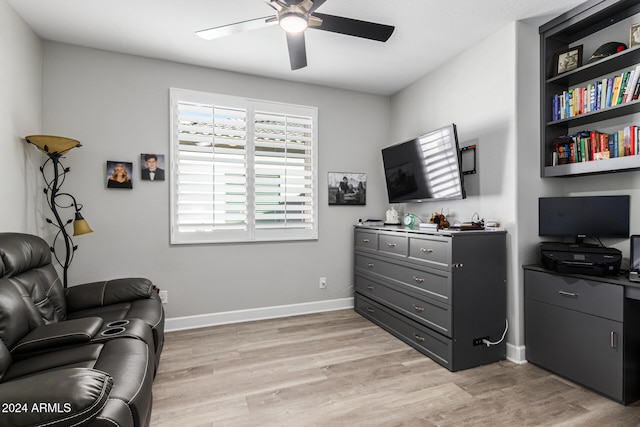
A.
x: 478, y: 91
x: 20, y: 102
x: 118, y: 107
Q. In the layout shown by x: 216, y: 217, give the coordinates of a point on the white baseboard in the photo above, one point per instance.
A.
x: 516, y: 353
x: 213, y: 319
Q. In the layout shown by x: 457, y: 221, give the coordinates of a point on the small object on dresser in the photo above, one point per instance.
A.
x: 374, y: 222
x: 428, y: 226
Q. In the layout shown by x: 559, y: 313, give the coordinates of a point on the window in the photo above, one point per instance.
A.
x: 242, y: 169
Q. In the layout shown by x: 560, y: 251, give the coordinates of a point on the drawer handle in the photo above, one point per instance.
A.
x: 370, y: 310
x: 370, y: 287
x: 370, y: 265
x: 417, y: 307
x: 612, y: 339
x: 418, y: 337
x: 568, y: 294
x: 418, y: 279
x: 391, y: 245
x: 427, y: 251
x: 365, y: 240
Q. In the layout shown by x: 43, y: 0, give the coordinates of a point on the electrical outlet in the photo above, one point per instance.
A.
x: 323, y: 283
x: 478, y: 341
x: 164, y: 296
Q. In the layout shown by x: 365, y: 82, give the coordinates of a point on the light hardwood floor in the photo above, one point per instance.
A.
x: 339, y: 369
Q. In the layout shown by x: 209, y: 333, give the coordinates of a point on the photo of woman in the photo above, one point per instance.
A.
x: 118, y: 174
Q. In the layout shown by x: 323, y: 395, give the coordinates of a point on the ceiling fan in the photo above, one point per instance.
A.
x: 294, y: 17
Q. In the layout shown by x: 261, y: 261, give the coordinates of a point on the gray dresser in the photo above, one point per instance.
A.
x: 440, y: 292
x: 585, y: 329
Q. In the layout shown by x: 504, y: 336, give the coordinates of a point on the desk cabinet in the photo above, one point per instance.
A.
x: 439, y: 292
x: 585, y: 330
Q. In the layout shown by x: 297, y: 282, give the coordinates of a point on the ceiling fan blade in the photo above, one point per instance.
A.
x: 316, y: 4
x: 297, y: 50
x: 354, y: 27
x: 238, y: 27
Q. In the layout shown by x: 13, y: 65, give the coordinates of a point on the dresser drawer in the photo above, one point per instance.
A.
x: 366, y: 240
x: 587, y: 296
x: 433, y: 251
x: 434, y: 314
x: 393, y: 244
x: 435, y: 284
x: 432, y: 344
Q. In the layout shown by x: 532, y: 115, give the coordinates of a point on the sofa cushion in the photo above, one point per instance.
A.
x: 27, y: 261
x: 14, y: 315
x: 64, y: 397
x: 22, y: 252
x: 128, y: 361
x: 45, y: 290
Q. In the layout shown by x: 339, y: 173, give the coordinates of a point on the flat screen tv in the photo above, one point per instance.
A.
x: 581, y: 217
x: 425, y: 168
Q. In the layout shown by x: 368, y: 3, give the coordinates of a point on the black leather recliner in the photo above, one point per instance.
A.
x: 86, y: 355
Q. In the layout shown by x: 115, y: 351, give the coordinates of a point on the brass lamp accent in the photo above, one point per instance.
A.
x: 54, y: 147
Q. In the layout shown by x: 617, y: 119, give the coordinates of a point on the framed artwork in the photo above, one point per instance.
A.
x: 347, y: 188
x: 568, y: 60
x: 152, y: 167
x: 634, y: 35
x: 119, y: 174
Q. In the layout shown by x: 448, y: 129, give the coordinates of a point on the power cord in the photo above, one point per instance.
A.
x: 506, y: 328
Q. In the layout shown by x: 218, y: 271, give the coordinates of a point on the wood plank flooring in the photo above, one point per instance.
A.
x: 339, y: 369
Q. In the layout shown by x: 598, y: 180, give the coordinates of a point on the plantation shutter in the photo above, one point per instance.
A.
x: 243, y: 170
x: 283, y: 164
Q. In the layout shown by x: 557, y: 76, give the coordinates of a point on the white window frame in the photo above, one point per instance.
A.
x: 253, y: 233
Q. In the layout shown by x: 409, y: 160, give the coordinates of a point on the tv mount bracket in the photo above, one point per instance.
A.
x: 471, y: 148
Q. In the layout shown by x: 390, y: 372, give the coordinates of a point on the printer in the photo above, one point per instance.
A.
x: 581, y: 258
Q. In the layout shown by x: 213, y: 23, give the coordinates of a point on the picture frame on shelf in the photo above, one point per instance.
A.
x: 634, y: 35
x: 567, y: 60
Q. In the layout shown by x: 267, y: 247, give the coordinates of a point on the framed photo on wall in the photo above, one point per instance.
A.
x: 119, y: 174
x: 568, y: 60
x: 346, y: 188
x: 152, y: 167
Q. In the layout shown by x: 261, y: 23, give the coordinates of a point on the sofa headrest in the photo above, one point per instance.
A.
x: 20, y: 252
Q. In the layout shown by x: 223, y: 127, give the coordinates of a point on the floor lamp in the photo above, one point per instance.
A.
x: 55, y: 147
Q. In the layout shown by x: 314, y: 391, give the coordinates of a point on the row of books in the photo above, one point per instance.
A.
x: 595, y: 96
x: 592, y: 145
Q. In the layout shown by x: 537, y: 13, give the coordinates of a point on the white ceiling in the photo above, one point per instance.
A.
x: 427, y: 34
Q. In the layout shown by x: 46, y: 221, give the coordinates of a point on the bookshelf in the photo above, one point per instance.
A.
x: 588, y: 25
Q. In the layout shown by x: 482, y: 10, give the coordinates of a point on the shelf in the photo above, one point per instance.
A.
x: 588, y: 72
x: 600, y: 115
x: 581, y: 26
x: 617, y: 164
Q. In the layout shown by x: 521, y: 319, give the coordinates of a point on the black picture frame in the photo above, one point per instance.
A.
x: 567, y: 60
x: 119, y: 174
x: 347, y: 188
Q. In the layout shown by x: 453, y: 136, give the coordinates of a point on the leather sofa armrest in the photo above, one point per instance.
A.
x: 57, y: 335
x: 99, y: 294
x: 64, y: 397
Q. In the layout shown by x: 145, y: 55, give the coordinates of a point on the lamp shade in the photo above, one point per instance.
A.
x: 52, y: 144
x: 80, y: 225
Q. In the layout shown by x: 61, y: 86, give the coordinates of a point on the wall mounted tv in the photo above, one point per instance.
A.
x: 425, y: 168
x: 581, y: 217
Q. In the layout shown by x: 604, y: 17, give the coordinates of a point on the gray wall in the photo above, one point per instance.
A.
x: 20, y: 98
x: 479, y: 91
x: 118, y: 107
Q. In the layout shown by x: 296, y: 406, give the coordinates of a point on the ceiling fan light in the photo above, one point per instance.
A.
x: 293, y: 22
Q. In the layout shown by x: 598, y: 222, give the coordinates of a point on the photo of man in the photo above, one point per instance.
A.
x: 152, y: 167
